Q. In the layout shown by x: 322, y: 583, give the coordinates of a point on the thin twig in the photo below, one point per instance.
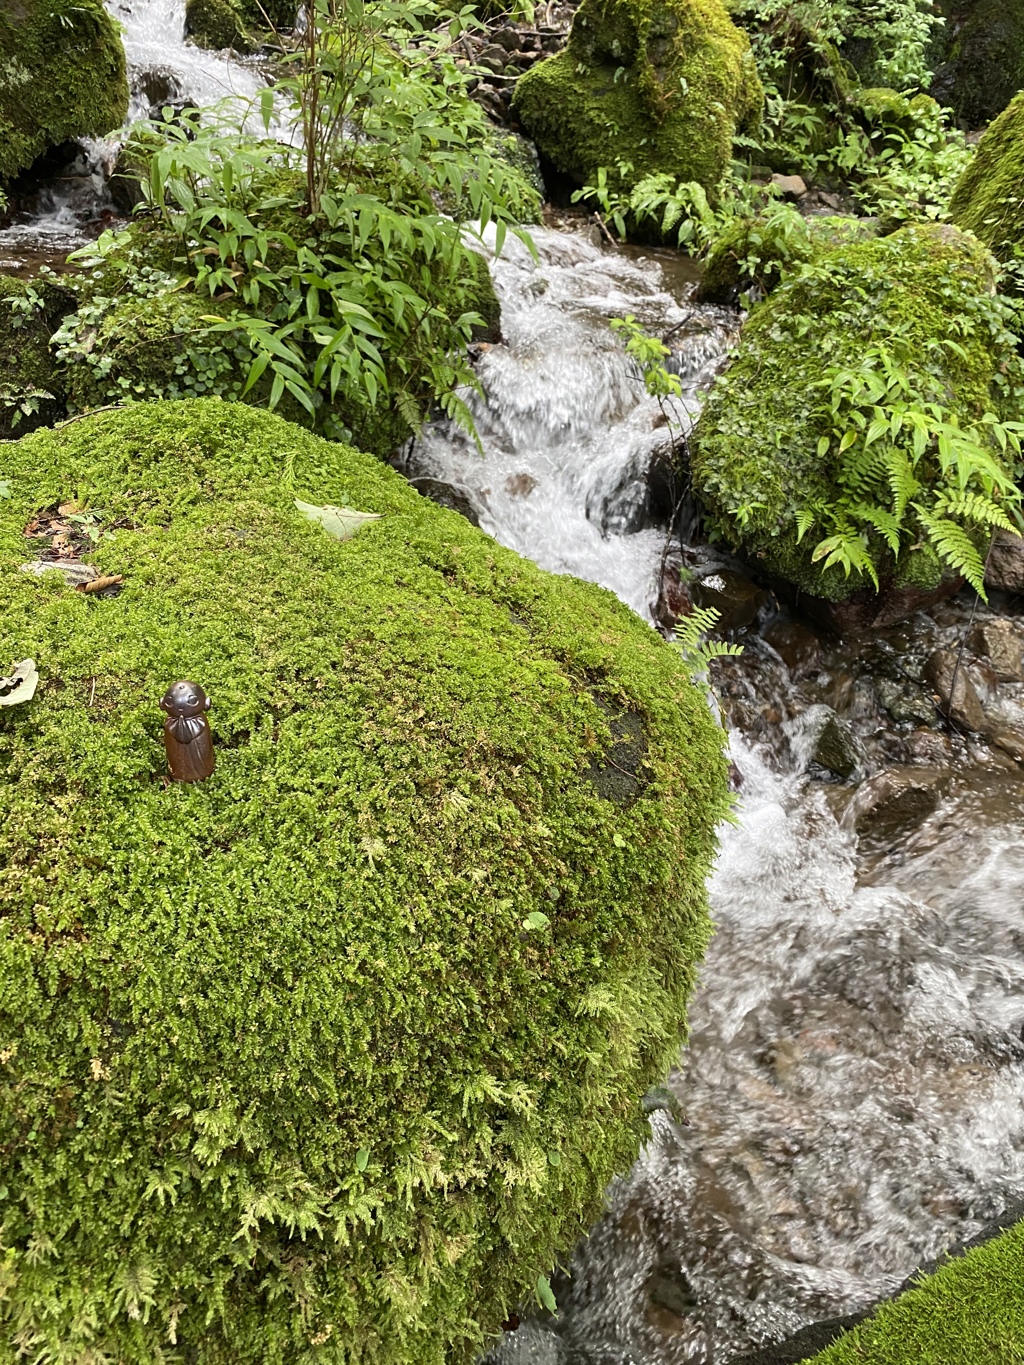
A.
x: 603, y: 226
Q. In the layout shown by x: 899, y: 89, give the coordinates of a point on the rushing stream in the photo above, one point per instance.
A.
x: 853, y: 1090
x: 852, y: 1096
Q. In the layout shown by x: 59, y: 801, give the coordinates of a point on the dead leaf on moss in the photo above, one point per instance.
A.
x: 20, y: 685
x: 110, y: 580
x: 340, y: 522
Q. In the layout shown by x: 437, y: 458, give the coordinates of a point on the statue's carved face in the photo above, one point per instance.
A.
x: 185, y: 699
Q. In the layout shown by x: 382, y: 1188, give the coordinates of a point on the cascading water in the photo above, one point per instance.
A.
x: 853, y: 1088
x: 164, y: 67
x: 70, y: 207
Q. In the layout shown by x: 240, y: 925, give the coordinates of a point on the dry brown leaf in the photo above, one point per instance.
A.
x: 98, y: 584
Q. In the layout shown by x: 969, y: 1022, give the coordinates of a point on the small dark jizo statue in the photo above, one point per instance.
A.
x: 187, y: 737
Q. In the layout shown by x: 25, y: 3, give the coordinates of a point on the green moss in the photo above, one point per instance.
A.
x: 217, y: 24
x: 926, y: 291
x: 882, y: 108
x: 62, y: 75
x: 661, y: 84
x: 30, y: 388
x: 970, y: 1312
x: 987, y: 200
x: 285, y: 1074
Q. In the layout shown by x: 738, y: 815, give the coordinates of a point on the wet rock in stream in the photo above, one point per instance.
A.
x: 1004, y: 568
x: 999, y: 642
x: 892, y: 803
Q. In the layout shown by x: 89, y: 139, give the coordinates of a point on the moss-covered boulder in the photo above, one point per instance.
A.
x: 981, y: 58
x: 754, y: 254
x: 866, y: 329
x: 217, y: 24
x: 662, y: 85
x: 62, y: 75
x: 988, y: 200
x: 323, y: 1058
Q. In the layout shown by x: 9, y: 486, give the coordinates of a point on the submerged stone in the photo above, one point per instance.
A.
x: 375, y: 1005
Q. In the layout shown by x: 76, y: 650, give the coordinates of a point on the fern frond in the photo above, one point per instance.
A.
x: 846, y: 549
x: 953, y: 545
x: 885, y: 523
x: 975, y: 508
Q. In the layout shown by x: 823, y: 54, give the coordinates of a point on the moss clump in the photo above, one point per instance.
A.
x: 987, y: 200
x: 62, y: 75
x: 217, y: 24
x: 924, y: 292
x: 31, y: 391
x: 325, y: 1057
x: 970, y: 1312
x: 660, y: 84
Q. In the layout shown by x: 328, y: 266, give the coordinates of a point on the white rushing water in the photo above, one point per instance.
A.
x: 164, y: 66
x: 853, y: 1088
x: 568, y: 429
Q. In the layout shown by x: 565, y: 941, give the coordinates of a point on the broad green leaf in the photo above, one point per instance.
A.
x: 545, y: 1297
x: 536, y: 919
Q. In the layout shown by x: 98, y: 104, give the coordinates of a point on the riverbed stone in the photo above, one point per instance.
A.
x: 62, y: 76
x: 1004, y: 569
x: 661, y: 86
x: 892, y: 803
x: 999, y: 641
x: 371, y: 978
x: 835, y: 748
x: 950, y: 674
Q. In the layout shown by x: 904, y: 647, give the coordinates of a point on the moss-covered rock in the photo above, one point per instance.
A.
x: 981, y: 64
x: 987, y: 200
x: 923, y: 294
x: 755, y: 253
x: 31, y: 390
x: 660, y: 84
x: 322, y: 1058
x: 62, y: 75
x: 217, y: 24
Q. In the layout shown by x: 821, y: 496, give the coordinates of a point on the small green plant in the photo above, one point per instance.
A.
x: 648, y: 354
x: 337, y: 271
x: 691, y: 641
x: 906, y: 469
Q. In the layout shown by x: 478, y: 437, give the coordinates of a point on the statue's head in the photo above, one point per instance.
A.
x: 185, y: 699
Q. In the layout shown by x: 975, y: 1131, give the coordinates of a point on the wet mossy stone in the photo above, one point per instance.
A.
x: 31, y: 391
x: 754, y: 452
x: 326, y: 1057
x: 62, y: 76
x: 217, y: 24
x: 980, y: 62
x: 661, y: 84
x: 988, y: 200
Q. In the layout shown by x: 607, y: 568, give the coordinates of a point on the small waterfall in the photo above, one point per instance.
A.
x: 72, y: 203
x: 164, y: 67
x: 569, y: 434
